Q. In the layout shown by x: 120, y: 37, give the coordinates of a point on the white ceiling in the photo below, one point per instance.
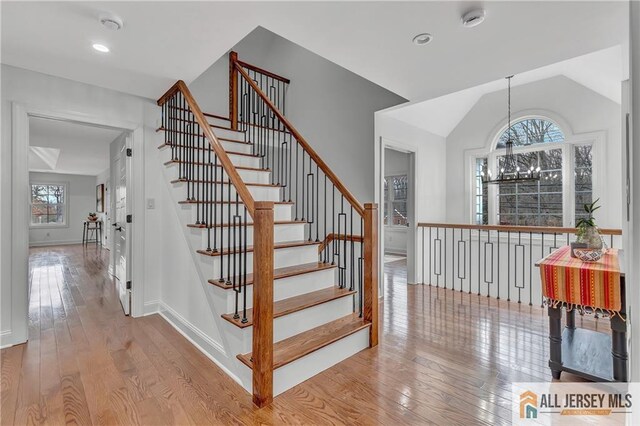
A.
x: 600, y: 71
x: 165, y: 41
x: 70, y: 148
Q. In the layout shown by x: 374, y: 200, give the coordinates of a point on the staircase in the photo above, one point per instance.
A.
x: 289, y: 253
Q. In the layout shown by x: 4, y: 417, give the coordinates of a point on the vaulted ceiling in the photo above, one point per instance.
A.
x: 165, y: 41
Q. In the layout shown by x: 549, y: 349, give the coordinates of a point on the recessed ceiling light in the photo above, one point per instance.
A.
x: 101, y: 48
x: 473, y: 18
x: 422, y: 39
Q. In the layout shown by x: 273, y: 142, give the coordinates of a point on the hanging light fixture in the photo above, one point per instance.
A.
x: 510, y: 171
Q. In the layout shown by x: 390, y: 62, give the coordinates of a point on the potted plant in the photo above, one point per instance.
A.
x: 92, y: 217
x: 588, y: 235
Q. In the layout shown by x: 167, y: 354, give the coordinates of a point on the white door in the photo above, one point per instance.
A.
x: 121, y: 242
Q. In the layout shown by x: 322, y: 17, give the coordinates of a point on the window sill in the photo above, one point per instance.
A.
x: 48, y: 226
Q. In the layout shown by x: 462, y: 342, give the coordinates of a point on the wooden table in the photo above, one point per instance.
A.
x: 589, y: 354
x: 92, y: 232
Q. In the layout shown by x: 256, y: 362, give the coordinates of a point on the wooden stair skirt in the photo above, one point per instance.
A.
x: 301, y: 293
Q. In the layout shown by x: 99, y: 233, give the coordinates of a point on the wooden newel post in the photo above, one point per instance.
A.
x: 233, y: 90
x: 262, y: 351
x: 371, y: 270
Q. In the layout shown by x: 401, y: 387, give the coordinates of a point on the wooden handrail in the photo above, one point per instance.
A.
x: 305, y: 145
x: 226, y: 163
x: 263, y: 71
x: 340, y: 237
x: 515, y: 228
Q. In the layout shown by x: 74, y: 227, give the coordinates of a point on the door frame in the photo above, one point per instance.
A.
x: 20, y: 208
x: 410, y: 149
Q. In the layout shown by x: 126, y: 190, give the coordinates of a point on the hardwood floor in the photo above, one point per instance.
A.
x: 444, y: 358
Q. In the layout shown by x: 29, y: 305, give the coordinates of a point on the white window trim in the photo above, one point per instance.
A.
x: 64, y: 224
x: 595, y: 139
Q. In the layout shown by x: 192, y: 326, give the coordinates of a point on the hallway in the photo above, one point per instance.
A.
x: 445, y: 358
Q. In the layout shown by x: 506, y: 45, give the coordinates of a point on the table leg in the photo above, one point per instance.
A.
x: 84, y: 232
x: 619, y: 340
x: 571, y: 318
x: 555, y: 340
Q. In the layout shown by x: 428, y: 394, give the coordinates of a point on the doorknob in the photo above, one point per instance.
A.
x: 119, y: 228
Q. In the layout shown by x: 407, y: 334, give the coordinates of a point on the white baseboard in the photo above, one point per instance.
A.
x: 151, y: 307
x: 209, y: 347
x: 6, y: 337
x: 53, y: 243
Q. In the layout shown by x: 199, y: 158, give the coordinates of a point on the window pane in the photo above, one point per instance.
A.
x: 482, y: 193
x: 531, y: 131
x: 535, y: 203
x: 47, y: 204
x: 583, y: 172
x: 400, y: 213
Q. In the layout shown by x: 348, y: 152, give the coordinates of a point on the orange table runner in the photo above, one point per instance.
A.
x: 569, y: 280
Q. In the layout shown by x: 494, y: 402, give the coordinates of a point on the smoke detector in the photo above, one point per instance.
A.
x: 111, y: 22
x: 473, y: 18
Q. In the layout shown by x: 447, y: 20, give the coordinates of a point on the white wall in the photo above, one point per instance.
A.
x: 633, y: 227
x: 395, y: 237
x: 80, y: 199
x: 583, y: 110
x: 332, y: 107
x: 429, y: 157
x: 52, y: 93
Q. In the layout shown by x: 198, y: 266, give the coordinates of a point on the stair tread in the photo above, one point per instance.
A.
x: 295, y: 304
x: 300, y: 345
x: 217, y: 126
x: 226, y: 225
x: 255, y: 169
x: 282, y: 245
x: 286, y: 272
x: 226, y: 182
x: 206, y: 114
x: 245, y: 154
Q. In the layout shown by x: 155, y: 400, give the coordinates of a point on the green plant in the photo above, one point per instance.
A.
x: 584, y: 224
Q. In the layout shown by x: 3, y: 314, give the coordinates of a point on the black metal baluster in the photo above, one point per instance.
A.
x: 229, y: 252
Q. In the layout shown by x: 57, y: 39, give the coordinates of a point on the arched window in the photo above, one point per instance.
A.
x: 565, y: 183
x: 531, y: 131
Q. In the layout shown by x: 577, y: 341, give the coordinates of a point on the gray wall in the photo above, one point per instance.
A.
x: 332, y: 107
x: 81, y: 199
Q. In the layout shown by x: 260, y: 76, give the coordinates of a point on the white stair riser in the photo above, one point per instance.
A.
x: 282, y: 258
x: 253, y: 176
x: 281, y: 212
x: 259, y: 193
x: 285, y: 288
x: 298, y: 371
x: 300, y: 321
x: 237, y: 160
x: 237, y: 147
x: 281, y: 233
x: 228, y: 134
x: 218, y: 121
x: 302, y: 369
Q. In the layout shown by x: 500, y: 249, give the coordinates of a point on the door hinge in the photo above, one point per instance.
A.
x: 129, y: 152
x: 128, y: 285
x: 129, y: 218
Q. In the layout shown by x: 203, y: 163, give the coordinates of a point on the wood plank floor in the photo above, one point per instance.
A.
x: 444, y: 358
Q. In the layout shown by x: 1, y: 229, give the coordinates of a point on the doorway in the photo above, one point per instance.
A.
x: 397, y: 208
x: 72, y: 165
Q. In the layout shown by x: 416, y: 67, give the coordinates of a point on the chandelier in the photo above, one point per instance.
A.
x: 510, y: 171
